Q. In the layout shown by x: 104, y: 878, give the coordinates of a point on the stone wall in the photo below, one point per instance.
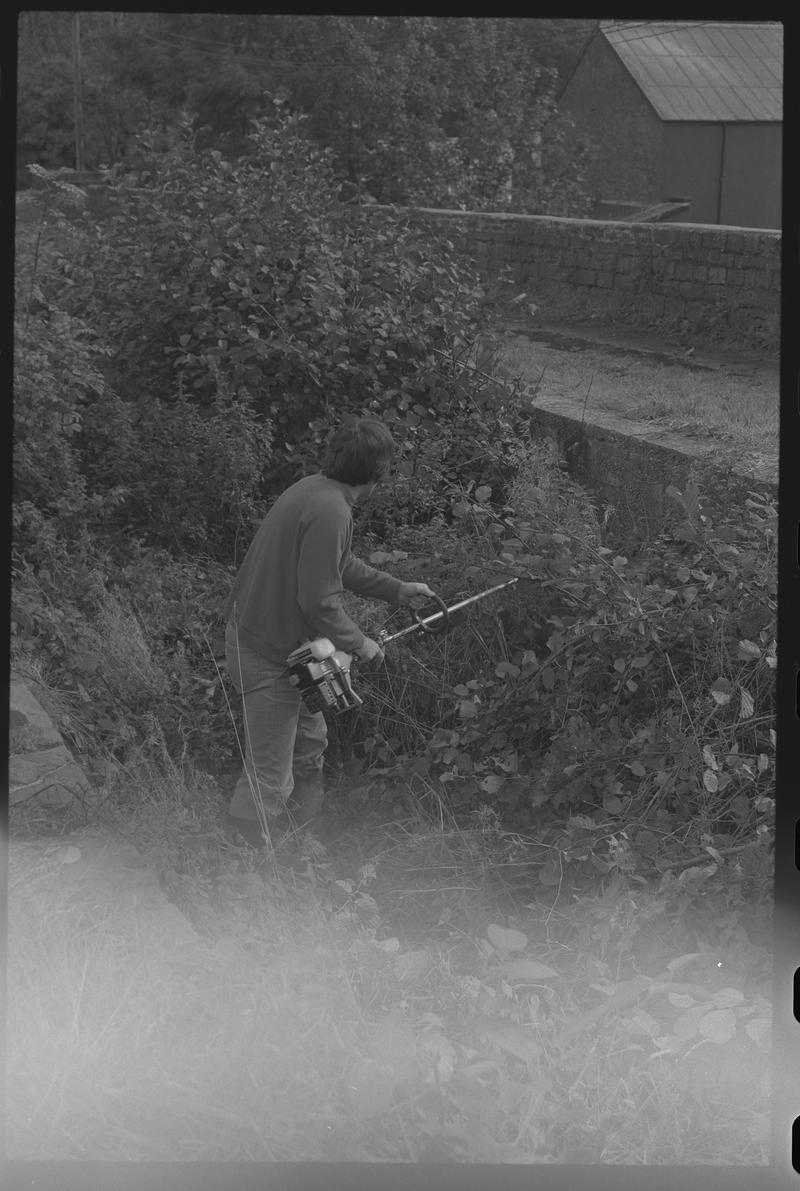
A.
x: 702, y: 279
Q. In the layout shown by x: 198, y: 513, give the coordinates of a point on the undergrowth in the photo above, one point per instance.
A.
x: 534, y: 929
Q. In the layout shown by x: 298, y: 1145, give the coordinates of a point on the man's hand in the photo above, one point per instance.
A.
x: 370, y: 650
x: 415, y: 594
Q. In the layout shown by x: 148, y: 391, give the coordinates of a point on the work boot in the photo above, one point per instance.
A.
x: 248, y: 829
x: 307, y: 798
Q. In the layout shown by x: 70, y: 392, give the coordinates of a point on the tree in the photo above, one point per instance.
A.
x: 427, y: 110
x: 436, y: 111
x: 251, y: 292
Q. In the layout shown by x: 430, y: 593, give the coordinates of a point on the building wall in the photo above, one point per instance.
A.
x: 731, y: 172
x: 751, y: 187
x: 720, y: 281
x: 691, y: 165
x: 608, y: 106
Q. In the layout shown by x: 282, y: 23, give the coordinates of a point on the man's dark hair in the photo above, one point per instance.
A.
x: 359, y: 452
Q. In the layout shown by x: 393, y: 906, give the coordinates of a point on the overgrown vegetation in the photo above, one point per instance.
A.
x: 542, y: 923
x: 431, y: 110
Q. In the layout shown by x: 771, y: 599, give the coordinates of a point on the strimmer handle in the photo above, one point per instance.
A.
x: 440, y: 625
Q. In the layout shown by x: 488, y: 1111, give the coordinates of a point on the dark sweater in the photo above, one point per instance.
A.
x: 288, y: 589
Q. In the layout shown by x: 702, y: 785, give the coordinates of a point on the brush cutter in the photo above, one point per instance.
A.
x: 321, y: 672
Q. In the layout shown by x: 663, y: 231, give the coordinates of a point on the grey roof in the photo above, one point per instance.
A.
x: 704, y: 70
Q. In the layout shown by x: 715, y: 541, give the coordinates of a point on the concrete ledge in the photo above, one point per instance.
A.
x: 630, y: 465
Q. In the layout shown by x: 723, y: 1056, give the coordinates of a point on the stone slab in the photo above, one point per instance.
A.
x: 26, y: 711
x: 50, y: 775
x: 41, y: 766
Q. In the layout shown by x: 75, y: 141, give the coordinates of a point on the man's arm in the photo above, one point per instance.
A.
x: 365, y: 580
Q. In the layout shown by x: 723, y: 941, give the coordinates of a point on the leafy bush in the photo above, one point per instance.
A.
x: 607, y: 699
x: 254, y: 279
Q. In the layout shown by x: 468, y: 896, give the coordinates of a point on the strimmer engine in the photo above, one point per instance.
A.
x: 321, y: 672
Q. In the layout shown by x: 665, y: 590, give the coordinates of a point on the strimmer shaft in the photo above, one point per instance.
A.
x: 412, y: 628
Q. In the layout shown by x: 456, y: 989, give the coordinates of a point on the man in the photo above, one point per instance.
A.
x: 288, y: 590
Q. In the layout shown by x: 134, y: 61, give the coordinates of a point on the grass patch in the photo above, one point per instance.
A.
x: 732, y: 408
x: 396, y: 996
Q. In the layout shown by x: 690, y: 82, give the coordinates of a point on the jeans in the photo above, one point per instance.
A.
x: 281, y: 736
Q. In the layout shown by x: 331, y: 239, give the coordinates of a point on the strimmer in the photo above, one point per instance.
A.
x: 321, y: 672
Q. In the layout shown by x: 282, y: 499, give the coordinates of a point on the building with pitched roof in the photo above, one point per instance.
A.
x: 683, y: 112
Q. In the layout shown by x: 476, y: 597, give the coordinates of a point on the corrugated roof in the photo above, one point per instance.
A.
x: 704, y: 70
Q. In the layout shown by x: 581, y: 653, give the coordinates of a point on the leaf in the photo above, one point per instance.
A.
x: 748, y: 651
x: 709, y: 758
x: 389, y: 946
x: 637, y: 769
x: 515, y: 1040
x: 483, y: 493
x: 612, y: 804
x: 524, y: 970
x: 726, y: 998
x: 506, y: 938
x: 696, y: 873
x: 506, y: 669
x: 680, y: 1000
x: 410, y: 965
x: 492, y: 783
x: 467, y: 709
x: 719, y: 1025
x: 644, y: 1023
x: 67, y: 855
x: 760, y: 1030
x: 720, y: 697
x: 687, y: 1025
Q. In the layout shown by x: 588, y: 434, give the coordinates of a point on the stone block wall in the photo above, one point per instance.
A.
x: 703, y: 279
